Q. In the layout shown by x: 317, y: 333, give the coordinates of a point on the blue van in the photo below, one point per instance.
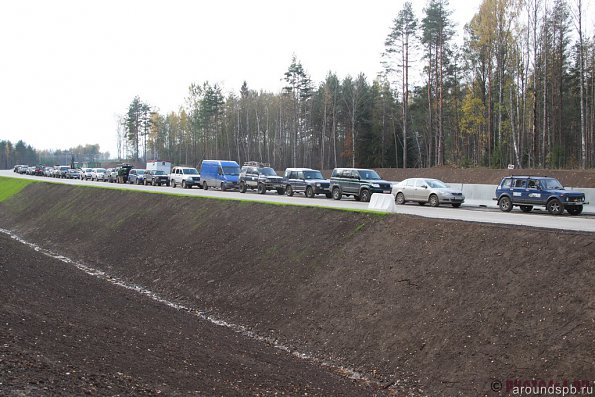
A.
x: 219, y: 173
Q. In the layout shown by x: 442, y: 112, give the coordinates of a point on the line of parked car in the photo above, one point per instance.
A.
x: 525, y: 192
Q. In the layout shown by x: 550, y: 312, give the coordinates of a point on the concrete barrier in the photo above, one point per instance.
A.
x: 382, y: 202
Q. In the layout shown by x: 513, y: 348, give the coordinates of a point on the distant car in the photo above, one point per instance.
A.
x: 221, y: 174
x: 529, y: 191
x: 123, y: 170
x: 111, y: 175
x: 427, y: 190
x: 60, y: 171
x: 185, y: 177
x: 307, y: 181
x: 47, y: 171
x: 98, y: 174
x: 360, y: 183
x: 260, y: 176
x: 87, y: 173
x: 17, y: 168
x: 136, y: 176
x: 30, y: 170
x: 38, y: 171
x: 156, y: 178
x: 74, y: 174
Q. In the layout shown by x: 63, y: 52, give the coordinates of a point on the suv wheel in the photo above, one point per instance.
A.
x: 205, y: 186
x: 261, y: 189
x: 575, y: 209
x: 242, y: 187
x: 400, y: 199
x: 365, y: 195
x: 280, y: 191
x: 223, y: 187
x: 184, y: 186
x: 309, y: 192
x: 434, y: 202
x: 173, y: 183
x: 329, y: 195
x: 555, y: 207
x: 336, y: 193
x: 505, y: 204
x: 526, y: 208
x: 289, y: 190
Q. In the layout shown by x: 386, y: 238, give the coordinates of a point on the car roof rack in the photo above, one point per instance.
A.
x: 256, y: 164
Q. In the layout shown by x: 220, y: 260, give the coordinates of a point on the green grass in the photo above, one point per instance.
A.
x: 11, y: 186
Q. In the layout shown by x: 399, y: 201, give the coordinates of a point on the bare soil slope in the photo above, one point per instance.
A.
x: 441, y: 306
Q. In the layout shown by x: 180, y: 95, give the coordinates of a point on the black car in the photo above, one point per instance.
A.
x: 357, y: 182
x: 260, y: 176
x: 529, y: 191
x: 307, y: 181
x: 156, y: 177
x: 123, y: 171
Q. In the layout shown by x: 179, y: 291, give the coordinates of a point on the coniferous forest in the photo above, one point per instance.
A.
x: 519, y: 90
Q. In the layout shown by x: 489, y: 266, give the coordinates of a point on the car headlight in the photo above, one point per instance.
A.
x: 318, y: 185
x: 375, y: 185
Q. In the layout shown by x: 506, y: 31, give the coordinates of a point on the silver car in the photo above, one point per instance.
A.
x: 426, y: 190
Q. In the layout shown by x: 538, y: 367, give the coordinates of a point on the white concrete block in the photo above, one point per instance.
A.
x: 382, y: 202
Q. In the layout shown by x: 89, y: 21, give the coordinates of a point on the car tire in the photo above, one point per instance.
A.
x: 575, y: 209
x: 336, y: 193
x: 526, y: 208
x: 310, y: 192
x: 400, y: 198
x: 280, y: 191
x: 205, y: 185
x: 184, y: 185
x: 261, y: 189
x: 365, y: 196
x: 329, y: 195
x: 242, y: 187
x: 505, y: 204
x: 223, y: 188
x: 145, y: 182
x: 555, y: 207
x: 434, y: 201
x: 173, y: 184
x: 456, y: 205
x: 289, y: 190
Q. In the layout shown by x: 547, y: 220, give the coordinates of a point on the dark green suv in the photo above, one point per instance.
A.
x: 357, y: 182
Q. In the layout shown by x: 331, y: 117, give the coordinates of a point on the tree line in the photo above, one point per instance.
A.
x: 23, y: 153
x: 520, y: 90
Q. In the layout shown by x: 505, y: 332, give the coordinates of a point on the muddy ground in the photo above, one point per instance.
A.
x: 429, y: 307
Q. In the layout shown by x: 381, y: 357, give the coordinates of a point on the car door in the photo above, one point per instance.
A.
x: 520, y: 192
x: 420, y: 191
x: 409, y: 189
x: 533, y: 193
x: 300, y: 181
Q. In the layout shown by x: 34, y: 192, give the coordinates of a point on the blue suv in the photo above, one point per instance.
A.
x: 528, y: 191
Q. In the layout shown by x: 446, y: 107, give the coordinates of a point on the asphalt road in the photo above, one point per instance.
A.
x: 539, y: 219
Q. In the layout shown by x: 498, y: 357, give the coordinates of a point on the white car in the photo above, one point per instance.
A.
x: 427, y: 190
x: 98, y: 174
x: 185, y: 177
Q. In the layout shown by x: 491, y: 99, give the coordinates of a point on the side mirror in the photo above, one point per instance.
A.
x: 424, y: 186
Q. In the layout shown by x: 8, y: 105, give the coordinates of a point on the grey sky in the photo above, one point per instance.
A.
x: 69, y: 67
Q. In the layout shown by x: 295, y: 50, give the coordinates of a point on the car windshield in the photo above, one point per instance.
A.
x: 100, y: 170
x: 141, y: 172
x: 368, y: 175
x: 190, y: 171
x: 313, y: 175
x: 551, y: 184
x: 268, y: 171
x: 436, y: 184
x: 231, y: 170
x: 159, y: 173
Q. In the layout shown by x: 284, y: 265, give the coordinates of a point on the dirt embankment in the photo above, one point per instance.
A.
x: 441, y: 306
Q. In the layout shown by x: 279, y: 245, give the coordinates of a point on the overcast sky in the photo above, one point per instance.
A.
x: 68, y: 68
